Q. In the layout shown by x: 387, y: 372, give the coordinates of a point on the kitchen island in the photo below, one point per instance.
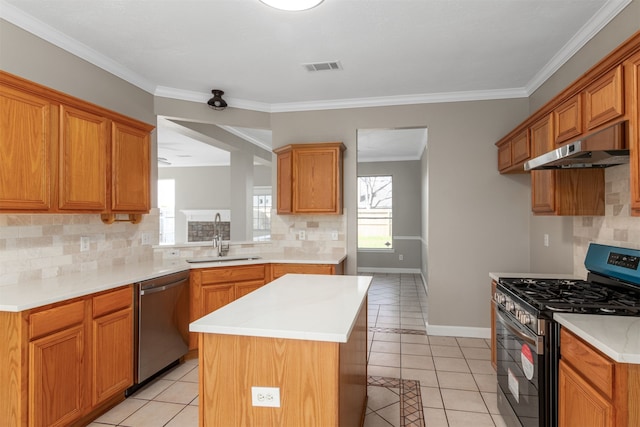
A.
x: 304, y: 335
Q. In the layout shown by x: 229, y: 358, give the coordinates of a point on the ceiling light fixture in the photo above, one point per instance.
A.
x: 217, y: 103
x: 292, y: 5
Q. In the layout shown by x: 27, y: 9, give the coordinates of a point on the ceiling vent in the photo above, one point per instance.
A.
x: 323, y: 66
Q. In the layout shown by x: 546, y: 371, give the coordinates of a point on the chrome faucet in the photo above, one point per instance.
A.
x: 217, y: 237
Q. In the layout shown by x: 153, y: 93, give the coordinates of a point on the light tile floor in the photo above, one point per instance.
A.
x: 414, y: 379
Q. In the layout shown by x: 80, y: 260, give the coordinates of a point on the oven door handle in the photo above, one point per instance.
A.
x: 536, y: 343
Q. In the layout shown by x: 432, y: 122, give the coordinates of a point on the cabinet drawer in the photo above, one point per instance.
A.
x: 282, y: 269
x: 112, y: 301
x: 232, y: 274
x: 55, y: 319
x: 592, y: 365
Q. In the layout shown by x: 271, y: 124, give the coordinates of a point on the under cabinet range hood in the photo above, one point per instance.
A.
x: 599, y: 150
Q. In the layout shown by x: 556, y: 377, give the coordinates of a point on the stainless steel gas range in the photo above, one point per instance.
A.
x: 527, y: 341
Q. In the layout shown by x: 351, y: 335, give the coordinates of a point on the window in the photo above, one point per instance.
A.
x: 375, y: 212
x: 167, y: 207
x: 262, y: 213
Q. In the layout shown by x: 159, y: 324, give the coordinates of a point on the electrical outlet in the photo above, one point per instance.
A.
x: 334, y: 235
x: 401, y: 257
x: 84, y: 243
x: 302, y: 235
x: 265, y: 396
x: 146, y: 238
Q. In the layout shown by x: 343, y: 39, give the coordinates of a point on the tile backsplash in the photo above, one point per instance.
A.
x: 44, y: 245
x: 617, y: 227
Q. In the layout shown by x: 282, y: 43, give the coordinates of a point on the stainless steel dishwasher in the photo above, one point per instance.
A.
x: 161, y: 325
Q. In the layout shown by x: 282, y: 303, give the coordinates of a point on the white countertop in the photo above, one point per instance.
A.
x: 497, y: 276
x: 36, y: 293
x: 616, y: 336
x: 295, y: 306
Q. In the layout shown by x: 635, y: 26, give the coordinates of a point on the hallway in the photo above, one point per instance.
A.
x: 415, y: 380
x: 420, y: 380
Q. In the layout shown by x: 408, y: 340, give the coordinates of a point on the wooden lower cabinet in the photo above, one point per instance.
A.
x: 581, y: 405
x: 279, y: 270
x: 57, y: 386
x: 66, y: 363
x: 213, y: 288
x: 111, y: 367
x: 593, y: 390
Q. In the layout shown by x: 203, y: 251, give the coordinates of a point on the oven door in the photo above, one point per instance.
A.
x: 521, y: 373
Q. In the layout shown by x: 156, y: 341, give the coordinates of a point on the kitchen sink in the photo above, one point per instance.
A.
x: 222, y: 259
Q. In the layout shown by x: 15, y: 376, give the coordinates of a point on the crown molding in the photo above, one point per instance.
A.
x: 597, y: 22
x: 384, y: 101
x: 71, y: 45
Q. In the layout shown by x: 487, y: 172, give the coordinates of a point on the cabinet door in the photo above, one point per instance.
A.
x: 632, y: 74
x: 215, y: 296
x: 504, y: 156
x: 83, y: 160
x: 27, y: 151
x: 542, y: 181
x: 57, y: 379
x: 129, y: 169
x: 604, y: 99
x: 579, y: 404
x: 317, y: 180
x: 285, y: 185
x: 244, y: 288
x: 520, y: 147
x: 112, y: 363
x: 568, y: 119
x: 278, y: 270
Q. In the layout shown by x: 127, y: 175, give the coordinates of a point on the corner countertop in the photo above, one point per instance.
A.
x: 616, y: 336
x: 498, y: 276
x: 295, y: 306
x: 37, y: 293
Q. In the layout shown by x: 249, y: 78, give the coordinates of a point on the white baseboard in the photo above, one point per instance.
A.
x: 458, y: 331
x: 389, y: 270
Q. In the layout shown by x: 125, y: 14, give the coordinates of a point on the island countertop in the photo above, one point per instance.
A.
x: 295, y: 306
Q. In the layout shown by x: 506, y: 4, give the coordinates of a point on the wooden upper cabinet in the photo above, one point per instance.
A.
x: 130, y: 168
x: 83, y: 160
x: 314, y: 183
x: 285, y: 182
x: 513, y: 153
x: 568, y: 119
x: 542, y: 181
x: 62, y: 154
x: 604, y: 99
x: 27, y: 148
x: 632, y: 85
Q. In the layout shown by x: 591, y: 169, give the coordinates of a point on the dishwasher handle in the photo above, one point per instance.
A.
x: 162, y: 288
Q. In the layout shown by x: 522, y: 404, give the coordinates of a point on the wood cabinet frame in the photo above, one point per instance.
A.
x: 87, y: 159
x: 61, y: 340
x: 310, y: 178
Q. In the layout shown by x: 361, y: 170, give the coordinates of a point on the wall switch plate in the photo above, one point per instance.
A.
x: 146, y: 238
x: 546, y: 240
x: 84, y: 243
x: 302, y: 235
x: 334, y: 235
x: 265, y: 396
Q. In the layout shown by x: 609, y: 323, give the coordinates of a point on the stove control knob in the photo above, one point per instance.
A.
x: 500, y: 298
x: 524, y: 318
x: 510, y: 306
